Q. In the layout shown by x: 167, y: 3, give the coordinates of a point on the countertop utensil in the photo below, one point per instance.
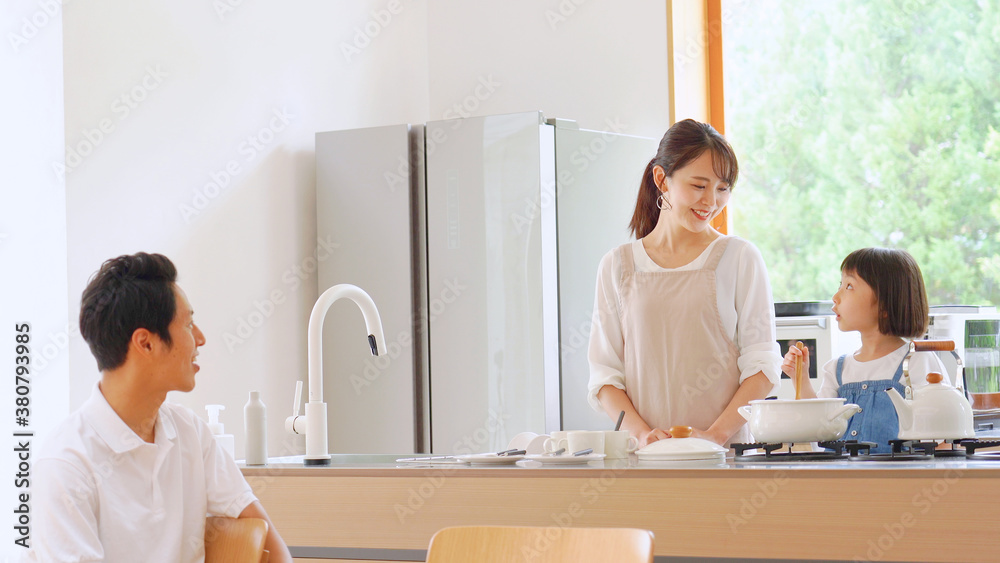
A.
x: 618, y: 425
x: 584, y: 452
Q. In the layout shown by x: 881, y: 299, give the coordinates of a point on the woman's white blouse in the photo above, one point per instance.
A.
x: 745, y: 304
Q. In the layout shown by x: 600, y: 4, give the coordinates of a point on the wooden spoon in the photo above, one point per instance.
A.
x: 798, y: 370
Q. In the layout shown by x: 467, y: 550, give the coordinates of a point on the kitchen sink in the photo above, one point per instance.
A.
x: 345, y: 459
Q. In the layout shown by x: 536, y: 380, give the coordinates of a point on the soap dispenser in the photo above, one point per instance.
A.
x: 227, y: 441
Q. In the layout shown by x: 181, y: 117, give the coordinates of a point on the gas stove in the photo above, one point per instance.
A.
x: 855, y: 451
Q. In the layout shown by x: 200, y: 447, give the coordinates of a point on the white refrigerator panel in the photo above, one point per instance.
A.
x: 369, y: 190
x: 598, y: 180
x: 486, y: 219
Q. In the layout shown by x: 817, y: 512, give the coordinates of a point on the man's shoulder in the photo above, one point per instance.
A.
x: 72, y: 442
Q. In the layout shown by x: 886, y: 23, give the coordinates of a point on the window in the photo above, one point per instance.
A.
x: 867, y: 124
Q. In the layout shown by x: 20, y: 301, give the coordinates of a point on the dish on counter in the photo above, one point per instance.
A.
x: 681, y: 446
x: 565, y: 459
x: 490, y: 459
x: 529, y: 441
x: 683, y: 458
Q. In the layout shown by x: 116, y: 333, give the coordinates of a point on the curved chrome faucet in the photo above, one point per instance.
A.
x: 314, y: 426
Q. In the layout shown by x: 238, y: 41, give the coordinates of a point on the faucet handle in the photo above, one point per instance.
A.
x: 297, y: 401
x: 292, y: 424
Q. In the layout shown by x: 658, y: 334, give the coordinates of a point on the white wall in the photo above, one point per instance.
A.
x: 593, y: 61
x: 146, y: 186
x: 208, y: 80
x: 32, y: 235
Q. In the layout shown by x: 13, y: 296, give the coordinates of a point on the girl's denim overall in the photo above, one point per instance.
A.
x: 877, y: 422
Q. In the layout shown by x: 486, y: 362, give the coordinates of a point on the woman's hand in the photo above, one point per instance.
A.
x: 654, y: 435
x: 708, y: 435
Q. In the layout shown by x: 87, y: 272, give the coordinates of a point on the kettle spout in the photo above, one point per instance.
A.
x: 904, y: 411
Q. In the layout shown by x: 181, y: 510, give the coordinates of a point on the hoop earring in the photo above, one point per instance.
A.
x: 663, y: 203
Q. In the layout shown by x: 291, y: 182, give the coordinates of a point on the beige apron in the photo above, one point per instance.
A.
x: 680, y: 365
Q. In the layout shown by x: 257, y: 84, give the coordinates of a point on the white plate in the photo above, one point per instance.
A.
x: 565, y: 459
x: 717, y: 457
x: 490, y: 459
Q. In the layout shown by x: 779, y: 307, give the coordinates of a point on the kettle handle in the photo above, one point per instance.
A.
x: 745, y: 411
x: 933, y: 345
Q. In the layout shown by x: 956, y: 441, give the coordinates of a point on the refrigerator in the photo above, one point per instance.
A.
x: 486, y: 267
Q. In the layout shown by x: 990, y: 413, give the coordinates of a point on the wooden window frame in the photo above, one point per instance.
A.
x: 694, y: 61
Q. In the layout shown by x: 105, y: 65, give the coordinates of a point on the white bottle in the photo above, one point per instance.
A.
x: 227, y: 441
x: 255, y: 419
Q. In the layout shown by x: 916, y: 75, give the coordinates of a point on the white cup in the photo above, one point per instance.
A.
x: 585, y: 439
x: 521, y: 441
x: 537, y: 445
x: 556, y: 441
x: 618, y: 444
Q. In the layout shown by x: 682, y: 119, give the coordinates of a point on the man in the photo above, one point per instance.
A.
x: 129, y: 477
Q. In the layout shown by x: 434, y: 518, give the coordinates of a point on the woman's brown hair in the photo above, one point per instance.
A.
x: 684, y: 142
x: 898, y: 285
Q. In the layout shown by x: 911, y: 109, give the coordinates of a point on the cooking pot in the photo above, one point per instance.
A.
x: 805, y: 420
x: 682, y: 447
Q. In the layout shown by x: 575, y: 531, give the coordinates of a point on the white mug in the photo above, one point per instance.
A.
x: 537, y: 445
x: 556, y: 441
x: 585, y: 439
x: 618, y: 444
x: 521, y: 441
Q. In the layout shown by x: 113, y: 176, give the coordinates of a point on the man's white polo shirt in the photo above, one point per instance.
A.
x: 102, y: 494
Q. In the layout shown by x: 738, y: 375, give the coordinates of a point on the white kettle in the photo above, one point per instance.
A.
x: 936, y: 412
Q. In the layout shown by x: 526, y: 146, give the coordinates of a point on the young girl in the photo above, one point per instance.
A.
x: 882, y: 296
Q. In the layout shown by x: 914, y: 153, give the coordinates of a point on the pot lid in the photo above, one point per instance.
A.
x: 681, y: 447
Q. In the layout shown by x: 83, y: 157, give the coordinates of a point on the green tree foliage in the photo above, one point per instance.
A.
x: 863, y: 123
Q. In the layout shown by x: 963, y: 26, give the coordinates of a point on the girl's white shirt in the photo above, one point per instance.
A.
x: 743, y: 295
x: 921, y: 363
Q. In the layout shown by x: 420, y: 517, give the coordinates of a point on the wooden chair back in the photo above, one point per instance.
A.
x: 501, y: 544
x: 235, y: 540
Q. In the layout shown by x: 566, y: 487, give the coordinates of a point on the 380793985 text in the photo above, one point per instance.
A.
x: 22, y: 435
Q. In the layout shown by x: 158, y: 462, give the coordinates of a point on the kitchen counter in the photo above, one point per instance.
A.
x: 941, y: 510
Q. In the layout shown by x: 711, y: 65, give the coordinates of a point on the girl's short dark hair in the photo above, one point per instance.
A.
x: 684, y: 142
x: 128, y: 293
x: 895, y: 278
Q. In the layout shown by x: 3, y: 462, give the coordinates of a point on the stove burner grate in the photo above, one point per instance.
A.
x: 772, y: 453
x: 902, y: 450
x: 914, y: 450
x: 971, y: 445
x: 853, y: 450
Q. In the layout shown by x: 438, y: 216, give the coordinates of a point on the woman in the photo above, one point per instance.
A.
x: 683, y: 329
